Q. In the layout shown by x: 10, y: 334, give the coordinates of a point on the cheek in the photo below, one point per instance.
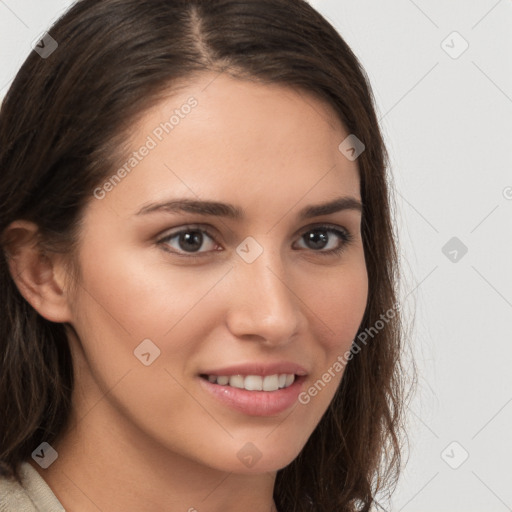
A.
x: 125, y: 301
x: 120, y: 305
x: 136, y: 297
x: 338, y: 303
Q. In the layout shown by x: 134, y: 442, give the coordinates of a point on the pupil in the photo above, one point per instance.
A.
x: 193, y: 238
x: 318, y: 239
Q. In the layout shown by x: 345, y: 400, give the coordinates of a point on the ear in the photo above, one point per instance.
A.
x: 39, y: 276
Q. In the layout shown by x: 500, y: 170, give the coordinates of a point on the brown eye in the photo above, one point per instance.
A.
x: 326, y: 239
x: 188, y: 240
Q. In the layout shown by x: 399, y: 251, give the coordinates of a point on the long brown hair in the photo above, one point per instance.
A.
x: 62, y: 127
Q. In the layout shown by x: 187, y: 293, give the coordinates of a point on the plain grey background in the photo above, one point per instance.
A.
x: 441, y: 73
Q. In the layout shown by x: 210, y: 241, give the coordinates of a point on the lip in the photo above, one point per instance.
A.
x: 254, y: 403
x: 262, y: 369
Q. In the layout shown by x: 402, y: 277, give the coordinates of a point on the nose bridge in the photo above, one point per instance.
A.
x: 263, y: 302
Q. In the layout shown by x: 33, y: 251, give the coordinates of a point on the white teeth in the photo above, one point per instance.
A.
x: 254, y: 382
x: 271, y: 383
x: 236, y: 381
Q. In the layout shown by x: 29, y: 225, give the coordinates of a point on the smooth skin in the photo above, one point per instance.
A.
x: 149, y: 437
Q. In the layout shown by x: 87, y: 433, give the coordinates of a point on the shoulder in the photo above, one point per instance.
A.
x: 32, y: 495
x: 13, y: 496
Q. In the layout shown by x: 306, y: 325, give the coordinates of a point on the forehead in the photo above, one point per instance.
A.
x: 225, y: 138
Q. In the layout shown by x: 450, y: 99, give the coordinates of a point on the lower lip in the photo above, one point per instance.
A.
x: 255, y: 403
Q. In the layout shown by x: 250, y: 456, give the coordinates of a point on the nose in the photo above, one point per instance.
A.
x: 263, y: 305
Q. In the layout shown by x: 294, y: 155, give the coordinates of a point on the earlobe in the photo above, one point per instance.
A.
x: 35, y: 272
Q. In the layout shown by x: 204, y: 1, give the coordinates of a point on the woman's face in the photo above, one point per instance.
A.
x: 170, y: 296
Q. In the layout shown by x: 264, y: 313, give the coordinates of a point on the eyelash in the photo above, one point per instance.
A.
x: 343, y: 234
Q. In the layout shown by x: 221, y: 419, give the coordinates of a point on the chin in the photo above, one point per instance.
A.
x: 253, y: 458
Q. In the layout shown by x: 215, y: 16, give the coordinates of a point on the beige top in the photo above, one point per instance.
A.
x: 34, y: 495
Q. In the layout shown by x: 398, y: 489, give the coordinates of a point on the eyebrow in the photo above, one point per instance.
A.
x: 217, y: 209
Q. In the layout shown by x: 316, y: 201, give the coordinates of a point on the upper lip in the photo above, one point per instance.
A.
x: 262, y: 369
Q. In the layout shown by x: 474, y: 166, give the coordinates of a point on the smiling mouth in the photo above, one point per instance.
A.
x: 253, y: 382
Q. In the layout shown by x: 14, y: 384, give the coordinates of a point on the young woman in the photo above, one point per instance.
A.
x: 199, y: 271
